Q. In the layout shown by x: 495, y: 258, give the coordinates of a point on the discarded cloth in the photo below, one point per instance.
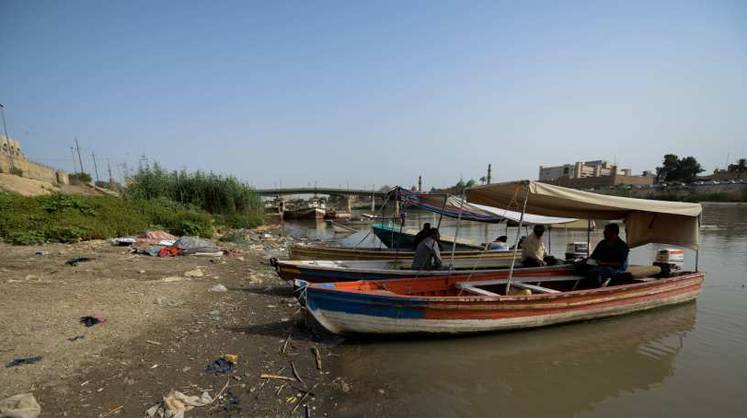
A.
x: 191, y: 245
x: 77, y: 260
x: 23, y: 405
x: 23, y: 360
x: 90, y: 321
x: 222, y: 365
x: 155, y: 238
x: 175, y: 404
x: 169, y: 252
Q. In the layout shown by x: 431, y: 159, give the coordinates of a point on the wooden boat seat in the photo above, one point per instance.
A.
x: 472, y: 289
x: 639, y: 272
x: 534, y: 288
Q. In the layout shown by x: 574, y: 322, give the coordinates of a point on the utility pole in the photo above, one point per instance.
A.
x: 72, y: 152
x: 95, y: 167
x: 7, y: 139
x: 80, y: 160
x: 109, y: 166
x: 489, y: 172
x: 420, y: 183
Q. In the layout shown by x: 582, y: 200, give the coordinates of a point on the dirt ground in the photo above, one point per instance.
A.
x: 162, y: 329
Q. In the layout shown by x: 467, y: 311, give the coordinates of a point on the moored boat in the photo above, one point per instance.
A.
x: 395, y: 237
x: 322, y: 252
x: 523, y: 298
x: 453, y: 306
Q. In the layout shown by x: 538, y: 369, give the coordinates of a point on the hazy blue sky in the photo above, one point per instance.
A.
x: 376, y: 92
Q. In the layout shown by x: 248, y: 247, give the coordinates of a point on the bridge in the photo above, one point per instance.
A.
x: 319, y: 190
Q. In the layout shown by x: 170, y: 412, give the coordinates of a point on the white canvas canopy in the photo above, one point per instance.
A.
x: 646, y: 221
x: 529, y: 218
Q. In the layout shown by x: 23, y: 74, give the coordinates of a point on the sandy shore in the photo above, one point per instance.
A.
x: 162, y: 329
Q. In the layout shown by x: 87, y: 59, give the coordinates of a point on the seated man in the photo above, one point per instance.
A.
x: 428, y: 254
x: 610, y: 257
x: 420, y: 236
x: 500, y: 244
x: 533, y: 252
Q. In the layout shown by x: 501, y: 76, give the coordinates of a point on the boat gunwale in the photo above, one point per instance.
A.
x: 371, y: 294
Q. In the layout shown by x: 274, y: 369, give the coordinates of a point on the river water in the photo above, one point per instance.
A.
x: 686, y: 361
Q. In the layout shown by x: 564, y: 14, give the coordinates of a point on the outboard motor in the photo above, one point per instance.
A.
x: 575, y: 251
x: 669, y: 260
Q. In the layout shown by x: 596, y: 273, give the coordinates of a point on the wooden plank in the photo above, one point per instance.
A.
x: 531, y: 279
x: 534, y: 288
x: 473, y: 289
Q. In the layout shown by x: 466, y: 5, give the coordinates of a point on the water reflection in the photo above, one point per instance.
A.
x: 557, y: 371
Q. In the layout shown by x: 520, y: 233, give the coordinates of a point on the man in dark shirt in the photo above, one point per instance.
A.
x: 422, y: 234
x: 609, y: 258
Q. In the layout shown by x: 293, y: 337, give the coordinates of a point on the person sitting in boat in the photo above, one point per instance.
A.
x: 610, y: 257
x: 428, y: 254
x: 533, y: 252
x: 500, y: 244
x: 422, y: 234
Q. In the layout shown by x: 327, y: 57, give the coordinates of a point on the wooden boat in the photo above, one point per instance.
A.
x: 394, y: 237
x: 304, y: 213
x: 341, y: 228
x: 320, y: 271
x: 321, y: 252
x: 452, y: 305
x: 546, y: 296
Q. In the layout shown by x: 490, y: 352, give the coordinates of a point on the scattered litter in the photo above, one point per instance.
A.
x: 85, y: 383
x: 218, y: 288
x: 123, y: 242
x: 152, y: 342
x: 233, y: 358
x: 231, y: 403
x: 141, y: 271
x: 40, y: 253
x: 276, y: 377
x: 209, y: 254
x: 23, y: 360
x: 222, y: 365
x: 76, y: 338
x: 175, y: 404
x: 77, y: 260
x: 317, y: 357
x: 23, y: 405
x: 169, y: 252
x: 164, y: 301
x: 194, y: 273
x: 191, y: 245
x: 90, y: 321
x: 172, y: 279
x: 154, y: 366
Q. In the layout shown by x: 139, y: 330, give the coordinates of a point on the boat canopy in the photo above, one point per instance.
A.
x: 646, y: 221
x: 434, y: 202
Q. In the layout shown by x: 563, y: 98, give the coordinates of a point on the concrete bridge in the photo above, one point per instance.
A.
x: 319, y: 190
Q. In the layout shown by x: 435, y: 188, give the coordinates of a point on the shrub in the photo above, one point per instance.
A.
x: 70, y: 218
x: 79, y: 178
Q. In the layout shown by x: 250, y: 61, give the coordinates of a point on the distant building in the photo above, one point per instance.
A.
x: 590, y: 174
x: 12, y: 159
x: 581, y: 169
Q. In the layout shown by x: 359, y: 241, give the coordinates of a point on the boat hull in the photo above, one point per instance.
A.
x: 392, y: 237
x: 376, y: 312
x: 325, y: 271
x: 307, y: 213
x: 317, y: 252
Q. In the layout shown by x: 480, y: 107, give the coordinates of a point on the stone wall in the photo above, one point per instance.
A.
x: 10, y: 150
x: 603, y: 181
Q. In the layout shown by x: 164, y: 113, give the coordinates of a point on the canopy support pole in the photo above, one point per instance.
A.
x: 443, y: 208
x: 588, y: 238
x: 456, y: 235
x: 516, y: 244
x: 697, y: 254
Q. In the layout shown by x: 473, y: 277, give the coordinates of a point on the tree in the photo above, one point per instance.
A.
x: 483, y: 180
x: 739, y: 167
x: 675, y: 169
x: 470, y: 183
x: 688, y: 169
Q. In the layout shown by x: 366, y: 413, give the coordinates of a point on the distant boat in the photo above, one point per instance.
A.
x: 304, y: 213
x: 340, y: 228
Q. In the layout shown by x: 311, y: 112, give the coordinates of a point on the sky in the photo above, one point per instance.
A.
x: 358, y: 94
